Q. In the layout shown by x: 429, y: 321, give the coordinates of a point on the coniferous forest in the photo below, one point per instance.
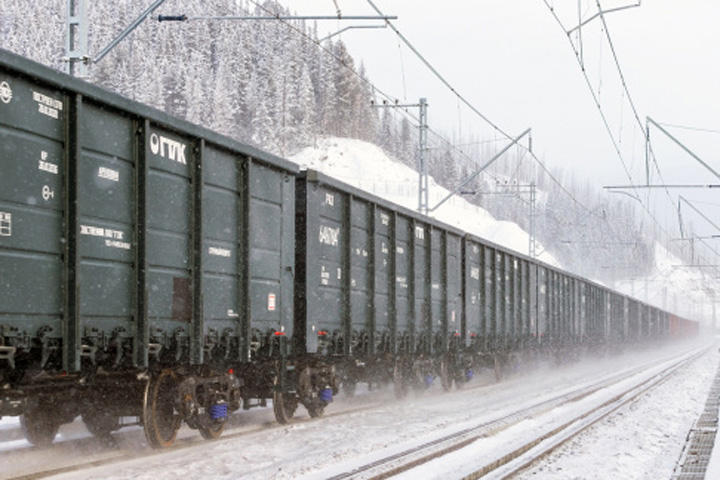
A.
x: 274, y: 85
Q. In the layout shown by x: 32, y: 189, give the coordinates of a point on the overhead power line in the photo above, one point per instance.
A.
x: 440, y: 77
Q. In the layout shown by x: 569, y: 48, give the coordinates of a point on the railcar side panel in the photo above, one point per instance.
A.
x: 223, y: 253
x: 403, y: 281
x: 271, y: 238
x: 384, y: 282
x: 33, y: 195
x: 170, y: 221
x: 543, y: 303
x: 360, y: 277
x: 453, y: 304
x: 421, y: 318
x: 438, y: 290
x: 106, y: 204
x: 474, y: 275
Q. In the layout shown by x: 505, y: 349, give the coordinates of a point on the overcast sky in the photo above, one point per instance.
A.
x: 514, y: 63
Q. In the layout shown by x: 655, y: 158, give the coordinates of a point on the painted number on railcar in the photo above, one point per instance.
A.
x: 45, y: 165
x: 5, y: 224
x: 47, y: 105
x: 329, y: 236
x: 113, y: 238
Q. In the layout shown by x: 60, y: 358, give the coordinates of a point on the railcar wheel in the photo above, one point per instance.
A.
x: 446, y: 377
x: 400, y: 384
x: 284, y: 404
x: 316, y: 410
x: 307, y: 390
x: 498, y: 365
x: 39, y: 426
x: 211, y: 432
x: 349, y: 387
x: 100, y: 424
x: 161, y: 419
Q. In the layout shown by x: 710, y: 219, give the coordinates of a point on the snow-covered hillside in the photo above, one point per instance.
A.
x: 367, y: 167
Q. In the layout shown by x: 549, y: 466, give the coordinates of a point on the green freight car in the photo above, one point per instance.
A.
x: 146, y: 264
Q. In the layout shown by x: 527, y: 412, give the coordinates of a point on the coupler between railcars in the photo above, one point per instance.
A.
x: 376, y: 371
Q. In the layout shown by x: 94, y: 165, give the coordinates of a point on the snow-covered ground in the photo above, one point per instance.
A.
x: 641, y: 441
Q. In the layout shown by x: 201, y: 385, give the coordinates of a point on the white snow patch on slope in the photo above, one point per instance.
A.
x: 366, y: 166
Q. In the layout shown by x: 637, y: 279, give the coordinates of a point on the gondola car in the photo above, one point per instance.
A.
x: 378, y: 287
x: 146, y: 264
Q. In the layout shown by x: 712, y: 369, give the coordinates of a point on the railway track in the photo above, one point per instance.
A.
x: 523, y: 454
x: 130, y: 445
x: 62, y: 456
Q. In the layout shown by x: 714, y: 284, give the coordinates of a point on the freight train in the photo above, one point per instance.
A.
x: 153, y: 269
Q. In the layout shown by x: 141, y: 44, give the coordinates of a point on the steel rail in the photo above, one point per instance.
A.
x: 420, y: 454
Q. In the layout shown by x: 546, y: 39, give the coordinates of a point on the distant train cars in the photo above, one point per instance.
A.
x: 150, y: 268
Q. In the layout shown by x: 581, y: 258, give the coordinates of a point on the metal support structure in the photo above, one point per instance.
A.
x: 683, y: 199
x: 422, y: 160
x: 532, y: 190
x: 76, y: 39
x: 352, y: 27
x: 77, y: 30
x: 423, y: 185
x: 681, y: 145
x: 600, y: 14
x: 628, y: 187
x: 533, y: 246
x: 480, y: 170
x: 185, y: 18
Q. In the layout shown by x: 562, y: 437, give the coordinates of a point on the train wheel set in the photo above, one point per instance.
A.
x: 153, y: 269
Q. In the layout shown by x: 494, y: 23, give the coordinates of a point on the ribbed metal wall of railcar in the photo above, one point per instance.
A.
x: 446, y: 276
x: 130, y: 240
x: 634, y: 329
x: 501, y: 302
x: 644, y: 325
x: 32, y: 202
x: 478, y: 297
x: 618, y: 327
x: 679, y: 327
x: 560, y: 320
x: 596, y: 325
x: 543, y: 312
x: 33, y: 250
x: 375, y: 281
